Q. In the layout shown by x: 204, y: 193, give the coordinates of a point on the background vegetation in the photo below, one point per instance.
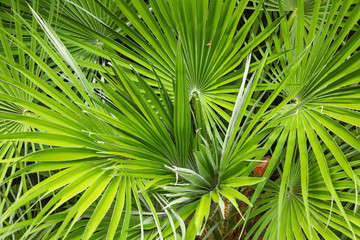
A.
x: 132, y: 119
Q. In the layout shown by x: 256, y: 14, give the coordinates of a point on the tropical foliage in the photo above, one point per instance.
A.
x: 179, y: 119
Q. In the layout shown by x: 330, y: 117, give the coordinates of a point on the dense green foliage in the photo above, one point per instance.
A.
x: 133, y: 119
